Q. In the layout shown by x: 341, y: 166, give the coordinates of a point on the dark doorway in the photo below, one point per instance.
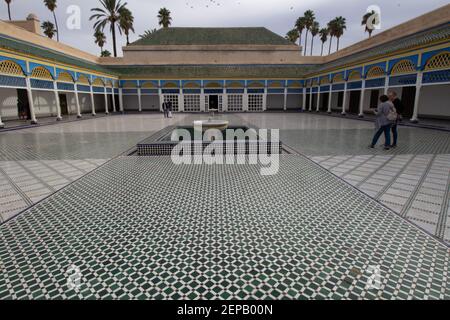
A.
x: 408, y: 98
x: 23, y: 106
x: 308, y: 97
x: 63, y: 104
x: 340, y: 99
x: 355, y: 96
x: 110, y: 103
x: 214, y: 103
x: 374, y: 96
x: 116, y: 98
x: 324, y: 101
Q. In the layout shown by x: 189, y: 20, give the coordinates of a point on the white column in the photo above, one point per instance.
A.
x: 318, y: 101
x: 58, y: 104
x: 386, y: 85
x: 361, y: 101
x: 113, y: 92
x: 77, y: 102
x: 330, y: 96
x: 202, y: 100
x: 92, y: 102
x: 30, y: 101
x: 225, y: 102
x: 344, y: 101
x: 2, y: 125
x: 161, y: 100
x: 304, y: 99
x: 245, y: 100
x: 106, y: 101
x: 265, y: 100
x: 140, y: 99
x: 181, y: 102
x: 310, y: 99
x: 121, y: 100
x: 285, y: 99
x: 415, y: 117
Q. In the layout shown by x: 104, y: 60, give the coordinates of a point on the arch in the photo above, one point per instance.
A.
x: 324, y: 80
x: 438, y: 61
x: 65, y: 77
x: 41, y: 73
x: 354, y: 76
x: 315, y: 83
x: 276, y: 84
x: 98, y: 82
x: 129, y: 85
x: 235, y: 84
x: 149, y: 85
x: 192, y: 85
x: 213, y: 84
x: 171, y: 85
x: 403, y: 66
x: 109, y: 84
x: 255, y: 84
x: 338, y: 78
x: 82, y: 79
x: 10, y: 67
x: 375, y: 72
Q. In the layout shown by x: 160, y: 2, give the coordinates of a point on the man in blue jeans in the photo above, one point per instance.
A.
x: 382, y: 123
x: 399, y: 108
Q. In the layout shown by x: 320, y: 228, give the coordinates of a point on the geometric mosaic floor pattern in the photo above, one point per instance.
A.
x: 220, y: 231
x: 414, y: 186
x: 23, y: 183
x: 207, y: 232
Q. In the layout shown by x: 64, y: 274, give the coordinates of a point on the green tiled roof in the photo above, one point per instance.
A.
x: 213, y: 36
x: 208, y: 71
x: 428, y: 36
x: 32, y: 49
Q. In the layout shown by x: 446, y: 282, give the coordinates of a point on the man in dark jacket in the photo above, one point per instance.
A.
x: 399, y: 107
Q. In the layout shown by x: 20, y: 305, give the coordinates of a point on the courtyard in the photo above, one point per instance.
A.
x: 74, y: 195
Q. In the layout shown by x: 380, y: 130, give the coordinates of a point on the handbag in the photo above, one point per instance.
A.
x: 392, y: 115
x: 170, y: 114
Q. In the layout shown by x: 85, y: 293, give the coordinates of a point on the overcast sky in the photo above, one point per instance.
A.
x: 276, y: 15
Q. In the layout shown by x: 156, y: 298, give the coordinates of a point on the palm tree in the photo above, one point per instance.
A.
x: 147, y: 33
x: 315, y: 28
x: 126, y: 23
x: 341, y: 26
x: 109, y: 14
x: 48, y: 28
x: 365, y: 21
x: 300, y: 25
x: 309, y: 20
x: 164, y: 18
x: 292, y: 36
x: 100, y: 39
x: 8, y: 3
x: 105, y: 54
x: 51, y: 5
x: 323, y: 33
x: 332, y: 31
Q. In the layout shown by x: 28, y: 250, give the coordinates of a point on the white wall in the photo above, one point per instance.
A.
x: 71, y: 102
x: 435, y: 101
x: 8, y: 103
x: 85, y: 102
x: 44, y: 103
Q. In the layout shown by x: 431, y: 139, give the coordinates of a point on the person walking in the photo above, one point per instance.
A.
x: 382, y: 123
x: 399, y: 109
x: 166, y: 109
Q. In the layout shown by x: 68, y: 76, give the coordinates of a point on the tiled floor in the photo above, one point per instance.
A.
x: 36, y: 162
x: 412, y: 180
x: 141, y: 227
